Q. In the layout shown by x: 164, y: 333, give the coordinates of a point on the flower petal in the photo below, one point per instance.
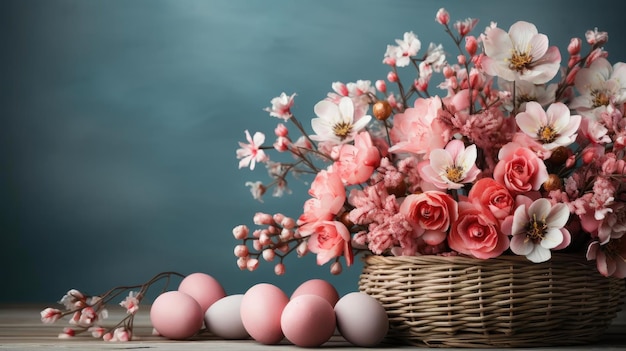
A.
x: 540, y: 208
x: 539, y: 254
x: 552, y: 238
x: 558, y: 216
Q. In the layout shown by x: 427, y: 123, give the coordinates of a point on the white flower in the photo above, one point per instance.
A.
x: 251, y: 153
x: 401, y: 55
x: 336, y: 123
x: 281, y: 106
x: 553, y: 128
x: 600, y: 85
x: 520, y: 54
x: 538, y: 228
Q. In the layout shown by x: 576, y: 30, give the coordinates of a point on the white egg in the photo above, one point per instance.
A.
x: 223, y: 318
x: 361, y: 319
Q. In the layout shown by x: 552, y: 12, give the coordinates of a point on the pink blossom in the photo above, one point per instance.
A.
x: 520, y: 54
x: 251, y: 153
x: 442, y: 16
x: 476, y: 233
x: 554, y: 127
x: 330, y: 239
x: 357, y: 162
x: 430, y: 211
x: 451, y: 167
x: 131, y: 302
x: 257, y: 189
x: 574, y: 46
x: 50, y: 315
x: 328, y: 197
x: 97, y: 332
x: 596, y: 38
x: 465, y: 26
x: 281, y: 106
x: 610, y: 258
x: 418, y: 130
x: 492, y: 196
x: 67, y: 333
x: 73, y: 299
x: 519, y: 169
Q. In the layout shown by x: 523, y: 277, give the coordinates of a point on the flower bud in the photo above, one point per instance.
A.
x: 336, y: 268
x: 281, y: 144
x: 302, y: 249
x: 286, y: 234
x: 574, y: 46
x: 262, y: 219
x: 552, y: 183
x: 392, y: 77
x: 288, y: 223
x: 241, y: 251
x: 471, y: 45
x: 281, y: 130
x: 442, y: 16
x: 340, y: 88
x: 240, y: 232
x: 571, y: 76
x: 279, y: 269
x: 381, y: 110
x: 242, y: 263
x: 264, y: 239
x: 252, y: 264
x: 461, y: 59
x: 381, y: 86
x: 268, y: 255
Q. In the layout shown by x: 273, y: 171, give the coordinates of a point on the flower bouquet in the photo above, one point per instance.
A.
x: 492, y: 213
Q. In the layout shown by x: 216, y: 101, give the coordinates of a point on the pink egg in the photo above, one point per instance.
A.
x: 308, y: 321
x: 261, y: 308
x: 317, y: 287
x: 202, y: 287
x: 361, y: 319
x: 176, y: 315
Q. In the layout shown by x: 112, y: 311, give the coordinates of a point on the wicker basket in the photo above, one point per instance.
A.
x: 440, y: 301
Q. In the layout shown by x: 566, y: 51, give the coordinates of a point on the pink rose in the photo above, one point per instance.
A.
x: 476, y: 233
x: 357, y: 162
x: 330, y: 239
x: 519, y: 169
x: 430, y: 213
x: 493, y: 196
x: 329, y: 196
x: 418, y: 129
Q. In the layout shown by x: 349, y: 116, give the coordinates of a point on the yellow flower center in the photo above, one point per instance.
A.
x: 454, y: 174
x: 536, y: 230
x: 520, y: 61
x: 342, y: 130
x: 599, y: 98
x: 547, y: 134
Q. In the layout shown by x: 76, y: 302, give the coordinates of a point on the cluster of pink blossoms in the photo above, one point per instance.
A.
x: 522, y: 153
x: 89, y: 312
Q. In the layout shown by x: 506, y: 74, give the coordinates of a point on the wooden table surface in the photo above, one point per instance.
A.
x: 21, y: 329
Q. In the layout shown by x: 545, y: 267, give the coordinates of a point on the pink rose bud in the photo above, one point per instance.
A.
x: 279, y: 269
x: 240, y: 232
x: 392, y: 77
x: 281, y: 130
x: 574, y: 46
x: 381, y: 86
x: 471, y: 45
x: 442, y: 17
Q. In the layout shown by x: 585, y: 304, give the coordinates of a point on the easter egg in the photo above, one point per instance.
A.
x: 361, y: 319
x: 176, y: 315
x: 261, y: 308
x: 203, y: 288
x: 317, y: 287
x: 308, y: 321
x: 223, y: 318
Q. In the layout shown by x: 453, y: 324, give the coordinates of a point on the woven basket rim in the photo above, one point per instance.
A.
x: 575, y: 258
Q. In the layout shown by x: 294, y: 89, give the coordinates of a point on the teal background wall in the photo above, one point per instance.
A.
x: 119, y: 122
